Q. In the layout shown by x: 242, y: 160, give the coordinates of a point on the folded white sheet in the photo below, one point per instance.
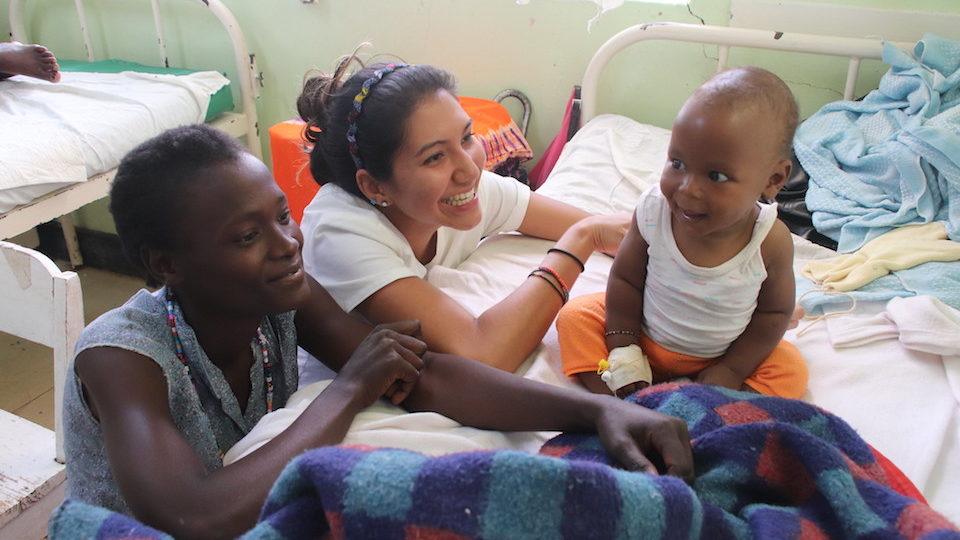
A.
x: 920, y: 323
x: 54, y: 134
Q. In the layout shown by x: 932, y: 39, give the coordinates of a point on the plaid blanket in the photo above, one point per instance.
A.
x: 766, y: 467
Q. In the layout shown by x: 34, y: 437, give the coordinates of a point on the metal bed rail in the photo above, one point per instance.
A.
x: 855, y: 49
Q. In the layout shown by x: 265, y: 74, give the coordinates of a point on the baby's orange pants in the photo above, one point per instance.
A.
x: 581, y: 324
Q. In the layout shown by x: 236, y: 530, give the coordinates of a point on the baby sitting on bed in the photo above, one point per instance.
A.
x: 703, y: 283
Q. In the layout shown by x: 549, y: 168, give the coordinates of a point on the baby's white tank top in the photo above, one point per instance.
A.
x: 691, y: 309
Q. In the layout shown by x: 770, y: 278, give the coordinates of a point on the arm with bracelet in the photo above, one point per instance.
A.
x: 625, y: 370
x: 507, y: 332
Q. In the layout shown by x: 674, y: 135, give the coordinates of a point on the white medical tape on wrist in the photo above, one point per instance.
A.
x: 627, y: 365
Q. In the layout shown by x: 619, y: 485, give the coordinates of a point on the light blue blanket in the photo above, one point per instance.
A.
x: 892, y: 158
x: 938, y: 279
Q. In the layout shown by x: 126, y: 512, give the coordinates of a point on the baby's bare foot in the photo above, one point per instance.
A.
x: 30, y: 60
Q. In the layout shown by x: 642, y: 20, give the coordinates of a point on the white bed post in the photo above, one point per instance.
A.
x: 158, y: 25
x: 723, y: 56
x: 853, y: 71
x: 68, y: 313
x: 246, y: 70
x: 18, y: 31
x: 82, y: 15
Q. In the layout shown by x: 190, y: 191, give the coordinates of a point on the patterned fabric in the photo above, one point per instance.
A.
x: 766, y: 467
x: 502, y: 139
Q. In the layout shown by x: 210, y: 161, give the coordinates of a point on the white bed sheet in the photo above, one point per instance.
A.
x: 53, y: 135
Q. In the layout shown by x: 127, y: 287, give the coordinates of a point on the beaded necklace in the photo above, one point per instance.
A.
x: 182, y: 355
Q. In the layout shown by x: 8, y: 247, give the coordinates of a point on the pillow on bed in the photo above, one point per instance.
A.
x: 220, y: 102
x: 608, y: 164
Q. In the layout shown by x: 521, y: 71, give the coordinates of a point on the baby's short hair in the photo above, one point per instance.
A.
x: 751, y: 86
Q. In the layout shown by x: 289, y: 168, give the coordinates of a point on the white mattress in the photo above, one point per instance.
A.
x: 53, y: 135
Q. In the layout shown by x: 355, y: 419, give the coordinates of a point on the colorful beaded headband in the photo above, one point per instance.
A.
x: 354, y: 115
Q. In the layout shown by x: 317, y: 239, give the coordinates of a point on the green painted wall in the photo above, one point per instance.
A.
x: 541, y: 49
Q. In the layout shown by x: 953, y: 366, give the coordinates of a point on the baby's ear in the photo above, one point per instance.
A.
x: 778, y: 178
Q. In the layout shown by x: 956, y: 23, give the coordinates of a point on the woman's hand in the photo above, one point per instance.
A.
x: 631, y: 433
x: 386, y: 363
x: 608, y: 231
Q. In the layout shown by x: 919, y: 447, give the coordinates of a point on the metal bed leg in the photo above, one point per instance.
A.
x: 71, y: 241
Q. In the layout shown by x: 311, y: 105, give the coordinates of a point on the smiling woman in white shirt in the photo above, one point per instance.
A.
x: 404, y: 191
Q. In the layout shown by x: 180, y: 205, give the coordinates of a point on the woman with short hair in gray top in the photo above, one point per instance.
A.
x: 162, y: 386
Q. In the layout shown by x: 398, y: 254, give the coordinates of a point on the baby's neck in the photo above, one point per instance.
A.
x: 716, y: 248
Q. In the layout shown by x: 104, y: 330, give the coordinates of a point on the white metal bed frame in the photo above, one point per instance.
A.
x: 856, y: 49
x: 59, y: 203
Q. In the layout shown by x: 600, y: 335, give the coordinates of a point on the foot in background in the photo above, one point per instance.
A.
x: 30, y: 60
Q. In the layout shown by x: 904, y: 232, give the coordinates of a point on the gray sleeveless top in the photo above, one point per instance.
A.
x: 207, y: 415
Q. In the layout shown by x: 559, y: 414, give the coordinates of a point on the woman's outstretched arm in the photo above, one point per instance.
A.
x: 480, y: 396
x: 507, y: 332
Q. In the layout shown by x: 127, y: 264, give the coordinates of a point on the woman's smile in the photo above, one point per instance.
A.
x: 461, y: 198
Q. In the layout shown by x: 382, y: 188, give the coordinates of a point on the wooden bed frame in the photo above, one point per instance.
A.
x: 60, y: 203
x: 44, y: 305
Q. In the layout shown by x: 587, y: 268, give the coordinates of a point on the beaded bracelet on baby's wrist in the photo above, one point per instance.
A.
x: 609, y: 333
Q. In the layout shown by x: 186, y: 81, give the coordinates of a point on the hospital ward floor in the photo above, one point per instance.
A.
x: 26, y: 369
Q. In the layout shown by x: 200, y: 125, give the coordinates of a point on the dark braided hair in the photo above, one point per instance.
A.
x: 153, y: 180
x: 326, y: 102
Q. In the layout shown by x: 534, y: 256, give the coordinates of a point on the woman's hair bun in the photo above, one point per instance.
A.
x: 318, y: 91
x: 313, y: 101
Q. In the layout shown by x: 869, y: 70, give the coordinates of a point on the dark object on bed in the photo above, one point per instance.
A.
x: 793, y: 211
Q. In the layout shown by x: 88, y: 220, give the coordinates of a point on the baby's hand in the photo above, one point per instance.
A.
x: 720, y: 375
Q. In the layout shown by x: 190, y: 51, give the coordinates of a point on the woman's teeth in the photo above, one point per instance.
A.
x: 461, y: 199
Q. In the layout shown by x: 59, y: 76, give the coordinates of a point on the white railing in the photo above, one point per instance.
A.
x: 724, y: 37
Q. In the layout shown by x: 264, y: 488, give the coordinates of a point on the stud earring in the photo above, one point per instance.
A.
x: 383, y: 204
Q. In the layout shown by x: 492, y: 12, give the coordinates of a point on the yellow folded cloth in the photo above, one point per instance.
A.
x: 899, y: 249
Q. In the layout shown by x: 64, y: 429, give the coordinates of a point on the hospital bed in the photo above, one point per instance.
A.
x: 903, y: 402
x: 81, y: 143
x: 48, y: 305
